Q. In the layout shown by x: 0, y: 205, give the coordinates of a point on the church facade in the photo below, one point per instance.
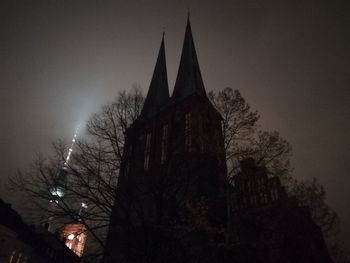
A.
x: 174, y: 202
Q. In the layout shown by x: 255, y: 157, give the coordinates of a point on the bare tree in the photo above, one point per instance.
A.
x: 244, y: 138
x: 312, y: 194
x: 91, y: 176
x: 84, y: 188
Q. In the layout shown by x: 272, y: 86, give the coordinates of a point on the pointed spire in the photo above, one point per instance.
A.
x: 189, y: 78
x: 158, y: 92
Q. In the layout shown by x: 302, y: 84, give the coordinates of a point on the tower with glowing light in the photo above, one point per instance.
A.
x: 73, y: 233
x: 58, y: 188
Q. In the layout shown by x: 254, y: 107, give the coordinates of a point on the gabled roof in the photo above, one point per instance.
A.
x: 158, y: 92
x: 189, y: 79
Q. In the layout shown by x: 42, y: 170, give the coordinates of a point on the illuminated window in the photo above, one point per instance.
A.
x: 188, y: 139
x: 12, y: 256
x: 147, y: 152
x: 274, y: 194
x: 19, y: 257
x: 164, y: 143
x: 75, y: 236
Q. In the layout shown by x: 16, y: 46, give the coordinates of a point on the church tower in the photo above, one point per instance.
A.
x: 173, y: 202
x: 174, y: 156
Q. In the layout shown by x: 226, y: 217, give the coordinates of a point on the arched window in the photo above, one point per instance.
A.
x: 164, y: 144
x: 147, y: 151
x: 188, y: 138
x: 11, y: 259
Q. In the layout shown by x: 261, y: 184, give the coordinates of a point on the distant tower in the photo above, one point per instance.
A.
x: 74, y: 233
x: 58, y: 188
x: 174, y: 156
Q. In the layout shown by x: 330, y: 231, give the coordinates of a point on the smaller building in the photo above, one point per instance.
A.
x: 74, y: 236
x: 254, y: 189
x: 269, y: 224
x: 20, y: 243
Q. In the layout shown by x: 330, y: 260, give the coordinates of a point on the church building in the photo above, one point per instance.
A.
x: 174, y: 202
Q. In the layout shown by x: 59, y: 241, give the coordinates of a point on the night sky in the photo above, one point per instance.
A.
x: 61, y: 60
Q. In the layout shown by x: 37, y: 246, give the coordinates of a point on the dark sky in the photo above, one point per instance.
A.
x: 61, y: 60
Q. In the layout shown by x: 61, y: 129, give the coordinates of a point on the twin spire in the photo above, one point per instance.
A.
x: 158, y: 92
x: 189, y: 79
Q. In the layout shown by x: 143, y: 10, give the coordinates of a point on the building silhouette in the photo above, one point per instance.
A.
x: 174, y: 202
x: 263, y: 218
x: 21, y: 243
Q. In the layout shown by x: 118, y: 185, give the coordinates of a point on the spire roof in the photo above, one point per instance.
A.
x: 189, y: 78
x: 158, y: 92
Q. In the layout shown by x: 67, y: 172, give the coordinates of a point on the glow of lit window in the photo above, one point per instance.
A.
x: 75, y: 237
x: 12, y: 256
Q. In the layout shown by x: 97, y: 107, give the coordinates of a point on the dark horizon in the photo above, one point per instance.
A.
x: 62, y: 60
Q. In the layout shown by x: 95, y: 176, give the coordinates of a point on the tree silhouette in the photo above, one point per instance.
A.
x: 91, y: 175
x: 244, y: 138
